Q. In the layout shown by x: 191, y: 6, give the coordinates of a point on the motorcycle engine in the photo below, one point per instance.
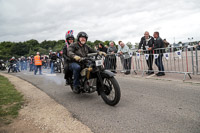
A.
x: 90, y: 85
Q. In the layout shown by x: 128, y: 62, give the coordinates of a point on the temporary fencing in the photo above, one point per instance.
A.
x: 183, y: 60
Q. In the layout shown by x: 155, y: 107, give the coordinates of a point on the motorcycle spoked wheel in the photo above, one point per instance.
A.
x: 111, y: 93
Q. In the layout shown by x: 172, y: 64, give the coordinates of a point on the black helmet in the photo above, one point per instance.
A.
x: 82, y: 34
x: 69, y: 36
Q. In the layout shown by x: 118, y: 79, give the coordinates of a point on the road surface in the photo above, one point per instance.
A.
x: 146, y: 106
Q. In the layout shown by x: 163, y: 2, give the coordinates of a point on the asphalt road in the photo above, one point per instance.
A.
x: 146, y: 106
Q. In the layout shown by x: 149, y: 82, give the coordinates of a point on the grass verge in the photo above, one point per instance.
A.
x: 10, y: 101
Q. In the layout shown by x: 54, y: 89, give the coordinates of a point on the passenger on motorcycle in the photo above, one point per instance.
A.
x: 75, y: 52
x: 67, y: 72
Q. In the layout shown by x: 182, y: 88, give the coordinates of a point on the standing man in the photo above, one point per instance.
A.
x: 159, y: 49
x: 38, y: 63
x: 146, y: 43
x: 22, y: 63
x: 112, y: 50
x: 123, y: 50
x: 31, y: 63
x: 121, y: 58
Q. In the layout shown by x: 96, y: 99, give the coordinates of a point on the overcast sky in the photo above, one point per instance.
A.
x: 125, y: 20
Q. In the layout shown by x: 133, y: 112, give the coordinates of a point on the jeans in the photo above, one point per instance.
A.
x: 52, y: 67
x: 31, y: 67
x: 25, y: 65
x: 76, y: 69
x: 36, y: 69
x: 159, y: 63
x: 22, y: 65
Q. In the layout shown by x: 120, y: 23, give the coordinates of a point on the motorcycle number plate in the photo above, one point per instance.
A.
x: 99, y: 62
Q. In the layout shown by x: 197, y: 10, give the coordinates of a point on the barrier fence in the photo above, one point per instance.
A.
x: 183, y: 60
x: 197, y: 60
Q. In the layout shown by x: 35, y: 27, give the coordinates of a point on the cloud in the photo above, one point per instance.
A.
x: 103, y: 20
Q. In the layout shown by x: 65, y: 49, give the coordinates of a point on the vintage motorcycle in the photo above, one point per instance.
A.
x: 94, y: 77
x: 12, y: 68
x: 2, y: 66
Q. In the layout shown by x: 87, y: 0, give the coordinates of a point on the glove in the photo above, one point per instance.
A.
x: 102, y: 53
x: 77, y: 58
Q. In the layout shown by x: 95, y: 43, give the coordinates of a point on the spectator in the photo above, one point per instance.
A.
x: 25, y: 63
x: 102, y: 48
x: 31, y: 63
x: 198, y: 46
x: 146, y: 43
x: 122, y: 59
x: 38, y: 63
x: 123, y: 51
x: 166, y: 43
x: 112, y: 50
x: 158, y: 49
x: 22, y: 60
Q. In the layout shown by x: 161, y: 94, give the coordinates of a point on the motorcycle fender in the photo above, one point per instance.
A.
x: 104, y: 74
x: 107, y: 74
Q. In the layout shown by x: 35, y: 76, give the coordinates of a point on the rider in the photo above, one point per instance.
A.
x: 53, y: 59
x: 75, y: 52
x: 68, y: 73
x: 12, y: 61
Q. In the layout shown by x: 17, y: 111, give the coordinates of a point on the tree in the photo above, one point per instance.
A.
x: 129, y: 44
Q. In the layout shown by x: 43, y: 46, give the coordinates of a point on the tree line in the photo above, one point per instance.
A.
x: 17, y: 49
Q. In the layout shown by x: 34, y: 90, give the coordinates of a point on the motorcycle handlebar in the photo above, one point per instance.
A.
x: 91, y: 54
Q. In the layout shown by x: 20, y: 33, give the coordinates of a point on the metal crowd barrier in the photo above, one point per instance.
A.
x: 182, y: 60
x: 197, y: 60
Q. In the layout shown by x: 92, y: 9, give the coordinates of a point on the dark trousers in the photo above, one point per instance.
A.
x: 106, y: 63
x: 67, y: 72
x: 150, y: 62
x: 36, y: 69
x: 76, y: 69
x: 127, y: 64
x: 112, y: 63
x: 159, y: 63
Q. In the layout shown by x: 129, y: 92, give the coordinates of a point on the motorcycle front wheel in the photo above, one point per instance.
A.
x: 111, y: 93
